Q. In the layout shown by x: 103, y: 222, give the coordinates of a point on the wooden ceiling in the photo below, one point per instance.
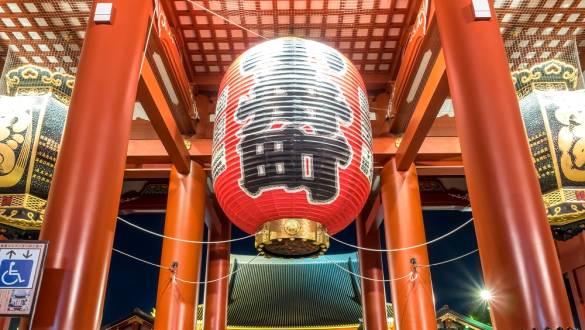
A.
x: 540, y: 30
x: 212, y: 33
x: 44, y: 33
x: 369, y: 32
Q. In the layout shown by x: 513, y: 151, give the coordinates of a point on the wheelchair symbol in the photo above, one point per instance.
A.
x: 11, y: 276
x: 15, y: 273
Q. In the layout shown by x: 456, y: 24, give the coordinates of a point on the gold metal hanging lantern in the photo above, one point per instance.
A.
x: 553, y: 110
x: 32, y: 119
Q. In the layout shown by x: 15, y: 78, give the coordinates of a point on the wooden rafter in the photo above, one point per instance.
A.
x: 153, y: 101
x: 434, y: 93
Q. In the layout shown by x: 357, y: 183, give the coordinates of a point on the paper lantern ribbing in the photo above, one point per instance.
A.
x: 292, y: 145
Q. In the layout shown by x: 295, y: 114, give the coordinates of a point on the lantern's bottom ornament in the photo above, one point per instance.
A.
x: 292, y: 238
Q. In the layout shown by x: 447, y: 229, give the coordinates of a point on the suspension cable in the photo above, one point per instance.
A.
x: 450, y: 260
x: 407, y: 247
x: 180, y: 239
x: 180, y: 279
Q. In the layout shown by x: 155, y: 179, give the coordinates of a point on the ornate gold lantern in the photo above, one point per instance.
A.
x: 553, y: 111
x: 32, y: 118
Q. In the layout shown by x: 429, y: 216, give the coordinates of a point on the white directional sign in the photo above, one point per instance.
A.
x: 21, y: 265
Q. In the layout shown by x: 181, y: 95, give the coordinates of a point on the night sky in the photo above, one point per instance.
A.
x: 133, y: 284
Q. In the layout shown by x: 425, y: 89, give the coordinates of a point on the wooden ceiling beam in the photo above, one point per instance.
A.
x: 434, y: 93
x: 423, y: 168
x: 152, y: 98
x: 210, y: 81
x: 420, y: 55
x: 443, y: 148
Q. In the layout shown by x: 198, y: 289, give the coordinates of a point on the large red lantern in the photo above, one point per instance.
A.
x: 292, y: 145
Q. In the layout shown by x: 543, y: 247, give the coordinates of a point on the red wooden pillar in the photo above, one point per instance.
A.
x: 83, y: 203
x: 5, y: 323
x: 572, y: 259
x: 517, y: 252
x: 218, y: 266
x: 23, y: 323
x: 185, y: 218
x: 577, y: 283
x: 412, y: 300
x: 373, y: 293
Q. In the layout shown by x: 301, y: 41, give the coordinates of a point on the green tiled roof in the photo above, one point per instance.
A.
x: 294, y: 293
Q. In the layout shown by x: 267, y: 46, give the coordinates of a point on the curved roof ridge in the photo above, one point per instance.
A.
x: 244, y: 259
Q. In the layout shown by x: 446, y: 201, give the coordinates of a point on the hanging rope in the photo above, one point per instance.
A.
x: 450, y: 260
x: 180, y: 239
x: 407, y: 247
x: 141, y: 260
x: 178, y: 278
x: 221, y: 278
x: 412, y: 275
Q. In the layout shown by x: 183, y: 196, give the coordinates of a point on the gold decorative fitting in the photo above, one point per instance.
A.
x: 548, y: 75
x: 292, y: 238
x: 187, y: 143
x: 397, y: 141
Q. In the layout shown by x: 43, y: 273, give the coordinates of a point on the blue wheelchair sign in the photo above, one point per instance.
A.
x: 15, y: 273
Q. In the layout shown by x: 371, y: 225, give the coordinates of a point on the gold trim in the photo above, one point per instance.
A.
x: 292, y: 238
x: 25, y: 211
x: 33, y: 153
x: 553, y: 152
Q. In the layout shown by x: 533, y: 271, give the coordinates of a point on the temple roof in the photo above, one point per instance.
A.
x: 445, y: 313
x: 304, y: 292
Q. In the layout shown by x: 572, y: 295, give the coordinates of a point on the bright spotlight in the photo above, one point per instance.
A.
x: 486, y: 295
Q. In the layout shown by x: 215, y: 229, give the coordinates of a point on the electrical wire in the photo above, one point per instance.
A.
x: 180, y: 279
x: 225, y: 19
x: 180, y: 239
x: 148, y: 35
x: 407, y: 247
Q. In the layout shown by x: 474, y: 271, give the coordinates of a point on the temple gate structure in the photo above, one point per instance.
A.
x: 445, y: 104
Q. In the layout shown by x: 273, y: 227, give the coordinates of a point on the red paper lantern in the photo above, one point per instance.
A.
x: 292, y: 145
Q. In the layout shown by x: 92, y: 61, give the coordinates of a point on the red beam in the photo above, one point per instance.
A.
x: 373, y: 217
x: 156, y: 107
x: 435, y: 91
x: 210, y: 82
x: 443, y: 148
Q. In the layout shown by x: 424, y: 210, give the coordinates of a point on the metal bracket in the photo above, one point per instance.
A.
x: 173, y: 268
x: 103, y: 13
x: 481, y: 10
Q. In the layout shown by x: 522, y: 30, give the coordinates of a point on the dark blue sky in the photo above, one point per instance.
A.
x: 133, y: 284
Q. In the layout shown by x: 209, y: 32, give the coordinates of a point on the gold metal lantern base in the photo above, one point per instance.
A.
x: 292, y: 238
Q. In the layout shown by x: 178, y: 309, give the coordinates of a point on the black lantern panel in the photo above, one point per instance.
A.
x: 554, y: 117
x: 32, y: 119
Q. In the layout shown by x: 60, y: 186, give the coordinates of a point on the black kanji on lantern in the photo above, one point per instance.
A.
x: 291, y: 137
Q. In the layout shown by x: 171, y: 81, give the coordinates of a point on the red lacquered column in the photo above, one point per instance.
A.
x: 517, y: 252
x: 414, y: 308
x: 373, y: 294
x: 176, y: 301
x: 218, y: 266
x: 80, y: 219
